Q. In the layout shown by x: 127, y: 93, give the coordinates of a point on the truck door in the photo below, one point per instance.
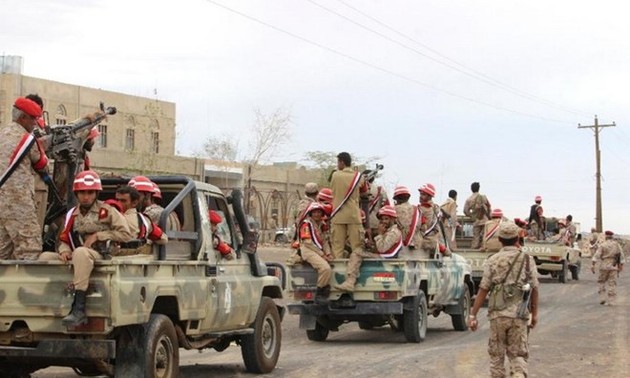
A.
x: 234, y: 277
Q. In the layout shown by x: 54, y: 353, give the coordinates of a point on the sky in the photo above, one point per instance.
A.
x: 444, y: 92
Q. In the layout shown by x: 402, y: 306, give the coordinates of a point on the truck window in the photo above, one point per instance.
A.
x: 224, y: 229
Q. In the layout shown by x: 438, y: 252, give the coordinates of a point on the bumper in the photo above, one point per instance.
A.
x: 549, y: 266
x: 82, y: 349
x: 361, y: 308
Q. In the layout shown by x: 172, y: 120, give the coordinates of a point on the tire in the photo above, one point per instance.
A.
x: 575, y: 271
x: 320, y: 333
x: 562, y: 275
x: 261, y: 349
x: 459, y: 320
x: 415, y: 319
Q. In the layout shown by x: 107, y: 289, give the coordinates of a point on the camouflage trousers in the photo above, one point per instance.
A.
x: 324, y: 271
x: 508, y: 336
x: 20, y: 237
x: 354, y: 233
x: 607, y: 281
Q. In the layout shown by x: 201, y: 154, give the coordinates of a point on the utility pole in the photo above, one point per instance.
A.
x: 598, y: 174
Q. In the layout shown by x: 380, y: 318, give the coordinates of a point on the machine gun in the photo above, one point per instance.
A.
x: 370, y: 174
x: 65, y: 144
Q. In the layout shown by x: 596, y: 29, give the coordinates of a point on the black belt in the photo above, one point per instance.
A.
x: 133, y: 244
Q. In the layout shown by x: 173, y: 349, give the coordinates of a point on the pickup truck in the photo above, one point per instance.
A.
x: 142, y: 309
x: 555, y: 258
x: 397, y: 292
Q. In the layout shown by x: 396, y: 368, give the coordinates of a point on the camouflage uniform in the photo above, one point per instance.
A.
x: 478, y: 208
x: 154, y: 211
x: 314, y: 247
x: 450, y: 223
x: 20, y: 231
x: 607, y: 279
x: 572, y: 232
x: 390, y: 241
x: 508, y: 332
x: 406, y: 213
x: 346, y: 224
x: 107, y: 223
x: 491, y: 241
x: 377, y: 197
x: 429, y: 227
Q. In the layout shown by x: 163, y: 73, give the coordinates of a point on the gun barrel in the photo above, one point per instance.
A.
x: 85, y: 122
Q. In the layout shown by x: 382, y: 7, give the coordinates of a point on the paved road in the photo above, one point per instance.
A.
x: 575, y: 337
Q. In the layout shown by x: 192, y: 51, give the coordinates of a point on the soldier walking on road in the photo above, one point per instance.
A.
x: 21, y: 155
x: 611, y: 259
x: 478, y: 208
x: 509, y: 281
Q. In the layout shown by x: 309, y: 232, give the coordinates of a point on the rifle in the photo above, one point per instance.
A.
x: 617, y: 262
x: 523, y: 307
x: 364, y: 200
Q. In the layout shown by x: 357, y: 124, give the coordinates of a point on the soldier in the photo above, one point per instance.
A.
x: 408, y: 218
x: 478, y: 208
x: 315, y: 249
x: 429, y: 220
x: 611, y: 259
x: 388, y: 242
x: 226, y: 251
x: 449, y: 218
x: 513, y: 273
x: 346, y: 185
x: 522, y: 233
x: 377, y: 198
x: 87, y: 147
x: 21, y: 154
x: 147, y: 205
x: 89, y: 229
x: 535, y: 219
x: 311, y: 191
x: 141, y: 227
x: 571, y: 232
x: 491, y: 241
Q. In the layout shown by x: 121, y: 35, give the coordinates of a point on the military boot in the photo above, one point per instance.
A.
x: 348, y: 284
x: 77, y: 316
x: 321, y: 295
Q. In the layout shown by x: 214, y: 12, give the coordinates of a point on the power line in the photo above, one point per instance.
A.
x: 473, y: 73
x: 384, y: 70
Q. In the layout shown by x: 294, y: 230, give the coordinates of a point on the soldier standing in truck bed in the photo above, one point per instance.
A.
x: 21, y: 155
x: 478, y: 208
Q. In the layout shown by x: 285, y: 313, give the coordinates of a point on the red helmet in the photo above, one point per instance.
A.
x: 142, y: 184
x: 401, y: 191
x: 428, y: 189
x: 86, y: 180
x: 315, y: 206
x: 387, y: 210
x: 215, y: 218
x: 496, y: 213
x: 157, y: 193
x: 325, y: 195
x: 538, y: 199
x: 328, y: 208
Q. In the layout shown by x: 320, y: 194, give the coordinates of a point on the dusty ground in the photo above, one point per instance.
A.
x: 576, y: 337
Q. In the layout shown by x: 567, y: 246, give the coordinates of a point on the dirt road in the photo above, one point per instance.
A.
x: 576, y: 337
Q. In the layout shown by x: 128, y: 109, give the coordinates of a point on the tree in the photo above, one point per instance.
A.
x: 270, y: 132
x: 220, y: 148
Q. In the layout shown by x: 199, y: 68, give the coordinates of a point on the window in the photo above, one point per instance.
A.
x: 61, y: 115
x: 130, y: 139
x: 155, y: 142
x: 101, y: 141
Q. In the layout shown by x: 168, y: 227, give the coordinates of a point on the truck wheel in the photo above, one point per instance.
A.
x: 575, y: 271
x: 261, y: 349
x: 161, y: 348
x: 415, y: 319
x: 320, y: 333
x: 562, y: 275
x: 459, y: 320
